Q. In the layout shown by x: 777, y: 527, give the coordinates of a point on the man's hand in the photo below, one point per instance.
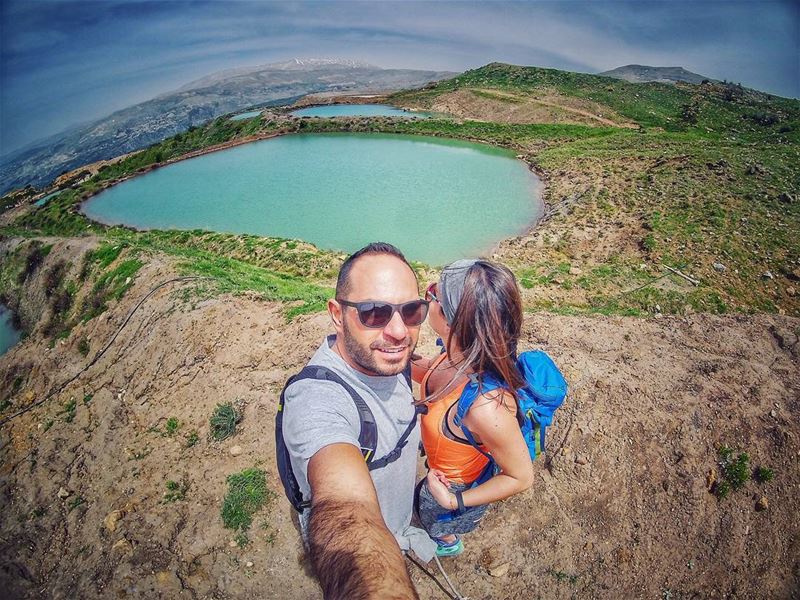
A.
x: 353, y: 553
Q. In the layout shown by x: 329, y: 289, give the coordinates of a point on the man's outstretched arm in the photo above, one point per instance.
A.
x: 353, y: 553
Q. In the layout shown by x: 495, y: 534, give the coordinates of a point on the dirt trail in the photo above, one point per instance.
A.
x: 503, y: 107
x: 558, y: 105
x: 620, y: 507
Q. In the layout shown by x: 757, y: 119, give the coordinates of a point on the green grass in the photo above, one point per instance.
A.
x: 111, y: 285
x: 223, y: 421
x: 192, y: 438
x: 764, y: 474
x: 735, y: 471
x: 75, y: 503
x: 69, y: 410
x: 172, y: 426
x: 247, y: 494
x: 175, y: 491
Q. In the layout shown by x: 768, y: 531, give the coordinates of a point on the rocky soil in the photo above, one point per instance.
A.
x: 621, y: 506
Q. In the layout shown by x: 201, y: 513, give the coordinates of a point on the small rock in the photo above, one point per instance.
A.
x: 575, y: 271
x: 127, y: 281
x: 566, y: 451
x: 711, y: 479
x: 122, y: 545
x: 719, y: 267
x: 768, y: 275
x: 773, y: 414
x: 235, y: 450
x: 232, y: 543
x: 112, y: 518
x: 499, y: 570
x: 581, y: 460
x: 62, y: 493
x: 249, y: 563
x: 791, y: 291
x: 762, y: 504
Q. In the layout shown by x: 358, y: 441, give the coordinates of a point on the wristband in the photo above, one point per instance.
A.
x: 460, y: 501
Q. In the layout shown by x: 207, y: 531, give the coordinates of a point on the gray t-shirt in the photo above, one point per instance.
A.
x: 319, y: 413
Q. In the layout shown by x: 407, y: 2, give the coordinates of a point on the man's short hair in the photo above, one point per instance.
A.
x: 343, y: 281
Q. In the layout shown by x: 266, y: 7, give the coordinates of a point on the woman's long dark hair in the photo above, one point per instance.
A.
x: 488, y: 323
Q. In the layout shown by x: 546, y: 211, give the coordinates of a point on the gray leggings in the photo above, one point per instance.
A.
x: 439, y: 521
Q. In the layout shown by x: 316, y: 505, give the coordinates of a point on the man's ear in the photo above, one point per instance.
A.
x: 335, y: 311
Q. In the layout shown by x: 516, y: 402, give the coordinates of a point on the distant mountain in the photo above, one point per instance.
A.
x: 227, y: 91
x: 643, y: 74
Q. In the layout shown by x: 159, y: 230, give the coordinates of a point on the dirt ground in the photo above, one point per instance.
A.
x: 620, y: 508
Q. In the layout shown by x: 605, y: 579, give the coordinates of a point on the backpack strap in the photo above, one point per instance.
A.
x: 398, y: 449
x: 367, y: 438
x: 468, y: 396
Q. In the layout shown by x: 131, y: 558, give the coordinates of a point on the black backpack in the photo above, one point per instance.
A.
x: 367, y: 438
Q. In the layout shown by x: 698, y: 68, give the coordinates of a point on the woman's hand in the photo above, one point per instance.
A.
x: 439, y: 486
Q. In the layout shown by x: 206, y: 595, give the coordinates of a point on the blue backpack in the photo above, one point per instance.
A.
x: 545, y: 391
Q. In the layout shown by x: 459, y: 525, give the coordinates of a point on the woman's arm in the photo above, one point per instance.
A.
x: 493, y: 420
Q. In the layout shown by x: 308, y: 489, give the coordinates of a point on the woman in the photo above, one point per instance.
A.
x: 476, y: 309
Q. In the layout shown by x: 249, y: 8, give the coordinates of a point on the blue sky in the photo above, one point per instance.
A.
x: 62, y: 63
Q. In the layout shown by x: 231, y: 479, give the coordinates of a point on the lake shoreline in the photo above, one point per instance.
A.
x: 517, y: 208
x: 538, y: 197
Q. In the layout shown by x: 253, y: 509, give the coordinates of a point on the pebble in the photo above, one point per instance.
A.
x: 122, y: 545
x: 235, y: 450
x: 719, y: 267
x: 62, y: 493
x: 232, y: 543
x: 762, y: 504
x: 499, y: 570
x: 768, y: 275
x: 249, y: 563
x: 112, y: 518
x: 773, y: 414
x: 581, y: 460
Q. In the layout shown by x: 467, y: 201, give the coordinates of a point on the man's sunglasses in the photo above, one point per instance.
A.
x: 377, y: 315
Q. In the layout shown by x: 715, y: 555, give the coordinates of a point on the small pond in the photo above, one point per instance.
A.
x: 247, y: 115
x: 358, y: 110
x: 9, y: 335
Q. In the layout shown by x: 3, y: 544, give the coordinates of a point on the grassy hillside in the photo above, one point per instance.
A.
x: 727, y: 110
x: 707, y: 185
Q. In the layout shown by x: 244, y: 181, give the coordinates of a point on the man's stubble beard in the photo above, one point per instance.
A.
x: 364, y: 358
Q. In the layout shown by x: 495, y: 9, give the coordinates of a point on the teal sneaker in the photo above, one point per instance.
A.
x: 451, y: 549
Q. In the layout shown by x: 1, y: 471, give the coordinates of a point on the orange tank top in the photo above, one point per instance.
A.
x: 459, y: 461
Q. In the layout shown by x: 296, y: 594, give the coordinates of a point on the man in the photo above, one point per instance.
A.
x: 358, y: 520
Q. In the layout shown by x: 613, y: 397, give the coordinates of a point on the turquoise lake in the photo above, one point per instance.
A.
x: 8, y: 335
x: 358, y: 110
x: 436, y: 199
